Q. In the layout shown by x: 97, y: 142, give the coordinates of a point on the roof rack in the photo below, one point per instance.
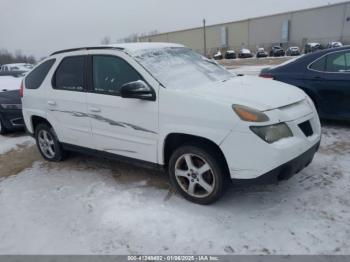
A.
x: 86, y: 48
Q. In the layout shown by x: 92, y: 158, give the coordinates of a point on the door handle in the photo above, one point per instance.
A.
x: 318, y: 77
x: 95, y: 109
x: 51, y: 103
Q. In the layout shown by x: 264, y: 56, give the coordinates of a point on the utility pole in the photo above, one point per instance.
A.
x: 205, y: 39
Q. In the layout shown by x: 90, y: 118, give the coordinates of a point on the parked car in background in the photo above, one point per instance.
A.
x: 312, y: 47
x: 334, y: 44
x: 218, y: 56
x: 230, y: 54
x: 261, y: 53
x: 16, y: 67
x: 245, y: 53
x: 293, y: 51
x: 277, y: 51
x: 324, y: 76
x: 19, y: 74
x: 130, y: 110
x: 11, y: 118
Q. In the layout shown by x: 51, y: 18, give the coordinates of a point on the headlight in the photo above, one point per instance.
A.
x: 11, y: 106
x: 250, y: 114
x: 273, y: 133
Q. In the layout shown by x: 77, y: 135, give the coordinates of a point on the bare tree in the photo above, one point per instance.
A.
x: 8, y: 58
x: 106, y: 40
x: 129, y: 39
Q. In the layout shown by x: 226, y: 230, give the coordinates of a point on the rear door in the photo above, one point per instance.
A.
x: 126, y: 127
x: 66, y: 102
x: 329, y: 78
x: 336, y: 82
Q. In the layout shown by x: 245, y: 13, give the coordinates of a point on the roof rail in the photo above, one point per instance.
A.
x: 86, y: 48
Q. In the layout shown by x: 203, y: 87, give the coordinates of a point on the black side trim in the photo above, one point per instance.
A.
x: 106, y: 155
x: 283, y: 172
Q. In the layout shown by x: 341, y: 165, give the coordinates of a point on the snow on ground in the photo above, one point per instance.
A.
x: 9, y: 83
x: 12, y: 142
x: 84, y: 208
x: 249, y: 70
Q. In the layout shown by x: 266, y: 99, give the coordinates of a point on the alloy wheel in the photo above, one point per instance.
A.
x: 194, y: 175
x: 46, y: 144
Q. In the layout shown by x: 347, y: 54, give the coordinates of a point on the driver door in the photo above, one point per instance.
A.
x: 125, y: 127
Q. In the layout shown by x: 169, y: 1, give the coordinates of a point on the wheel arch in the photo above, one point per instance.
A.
x: 35, y: 120
x: 174, y: 140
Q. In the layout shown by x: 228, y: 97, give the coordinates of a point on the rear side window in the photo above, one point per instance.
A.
x: 35, y: 78
x: 70, y: 74
x: 319, y: 65
x: 338, y: 62
x: 110, y: 73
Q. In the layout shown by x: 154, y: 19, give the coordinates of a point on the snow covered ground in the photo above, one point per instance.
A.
x: 87, y: 205
x: 94, y: 206
x: 13, y: 142
x: 249, y: 70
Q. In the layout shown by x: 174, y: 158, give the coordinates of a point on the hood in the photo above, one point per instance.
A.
x: 255, y: 92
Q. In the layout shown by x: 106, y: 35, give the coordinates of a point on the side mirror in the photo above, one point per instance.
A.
x: 138, y: 90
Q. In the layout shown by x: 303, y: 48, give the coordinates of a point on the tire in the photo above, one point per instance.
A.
x: 3, y: 129
x: 188, y: 179
x: 46, y: 138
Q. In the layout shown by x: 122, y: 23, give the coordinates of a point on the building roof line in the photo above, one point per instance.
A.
x: 248, y: 19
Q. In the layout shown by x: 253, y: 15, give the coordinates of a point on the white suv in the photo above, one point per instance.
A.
x: 163, y: 105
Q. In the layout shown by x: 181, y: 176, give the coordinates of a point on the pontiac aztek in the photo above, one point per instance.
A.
x: 163, y: 105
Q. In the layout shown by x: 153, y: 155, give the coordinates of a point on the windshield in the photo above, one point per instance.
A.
x: 181, y: 67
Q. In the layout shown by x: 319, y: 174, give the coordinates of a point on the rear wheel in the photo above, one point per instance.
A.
x: 48, y: 144
x: 197, y: 174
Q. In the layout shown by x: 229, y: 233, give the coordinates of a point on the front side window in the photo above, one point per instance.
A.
x: 110, y: 73
x: 70, y: 74
x: 338, y: 62
x: 37, y: 76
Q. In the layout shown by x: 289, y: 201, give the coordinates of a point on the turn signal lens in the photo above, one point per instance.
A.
x: 249, y: 114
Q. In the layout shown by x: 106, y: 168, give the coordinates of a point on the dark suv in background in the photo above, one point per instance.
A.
x: 312, y: 47
x: 277, y: 51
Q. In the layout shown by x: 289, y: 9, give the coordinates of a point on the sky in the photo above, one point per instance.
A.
x: 40, y: 27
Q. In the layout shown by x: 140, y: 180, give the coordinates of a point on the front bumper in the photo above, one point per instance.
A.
x: 249, y: 157
x: 284, y: 171
x: 12, y: 119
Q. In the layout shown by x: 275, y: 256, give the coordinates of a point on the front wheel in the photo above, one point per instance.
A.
x: 48, y: 144
x: 197, y: 174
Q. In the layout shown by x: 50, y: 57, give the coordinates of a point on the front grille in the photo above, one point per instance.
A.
x: 306, y: 128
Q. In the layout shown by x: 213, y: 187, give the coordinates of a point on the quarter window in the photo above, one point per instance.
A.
x: 110, y: 73
x: 70, y: 74
x: 338, y: 62
x: 37, y: 76
x: 319, y: 65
